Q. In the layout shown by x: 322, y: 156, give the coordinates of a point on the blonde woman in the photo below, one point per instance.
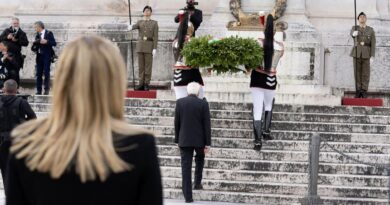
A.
x: 84, y: 152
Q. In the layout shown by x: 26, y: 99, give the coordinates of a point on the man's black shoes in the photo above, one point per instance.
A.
x: 140, y: 87
x: 198, y: 187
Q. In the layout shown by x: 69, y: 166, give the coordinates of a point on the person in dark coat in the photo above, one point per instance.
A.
x: 192, y: 133
x: 9, y: 61
x: 84, y: 152
x: 17, y: 38
x: 43, y: 46
x: 14, y: 110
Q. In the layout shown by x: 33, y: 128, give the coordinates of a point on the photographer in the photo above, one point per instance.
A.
x: 196, y: 15
x: 43, y: 47
x: 16, y: 38
x: 9, y: 62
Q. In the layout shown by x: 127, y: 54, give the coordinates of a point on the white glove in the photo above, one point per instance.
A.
x: 181, y: 12
x: 372, y: 60
x: 130, y: 27
x: 355, y: 33
x: 154, y: 52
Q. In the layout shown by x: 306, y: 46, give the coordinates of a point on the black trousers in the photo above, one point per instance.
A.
x: 5, y: 144
x: 43, y: 69
x: 187, y: 154
x: 14, y: 75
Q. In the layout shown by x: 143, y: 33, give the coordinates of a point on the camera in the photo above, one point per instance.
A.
x: 36, y: 44
x: 192, y: 3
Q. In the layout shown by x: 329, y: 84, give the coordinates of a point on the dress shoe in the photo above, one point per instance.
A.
x: 258, y: 145
x: 189, y: 200
x: 38, y: 93
x: 146, y: 87
x: 364, y: 94
x: 46, y: 92
x: 198, y: 187
x: 267, y: 136
x: 140, y: 87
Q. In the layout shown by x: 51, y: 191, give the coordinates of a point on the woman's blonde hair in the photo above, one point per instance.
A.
x: 88, y: 102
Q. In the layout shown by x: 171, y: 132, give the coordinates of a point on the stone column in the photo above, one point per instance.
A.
x: 216, y: 26
x: 302, y: 61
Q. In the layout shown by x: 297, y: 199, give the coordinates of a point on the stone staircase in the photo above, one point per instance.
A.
x: 235, y: 88
x: 234, y: 172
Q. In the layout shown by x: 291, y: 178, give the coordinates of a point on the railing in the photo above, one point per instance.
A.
x: 312, y: 197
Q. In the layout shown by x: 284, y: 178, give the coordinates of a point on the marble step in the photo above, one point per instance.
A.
x: 286, y: 177
x: 286, y: 98
x: 281, y: 188
x: 278, y: 125
x: 267, y: 199
x: 242, y: 85
x: 283, y: 134
x: 235, y: 197
x: 234, y: 143
x: 229, y: 106
x: 246, y: 115
x: 281, y: 155
x: 245, y: 125
x: 277, y: 134
x: 280, y: 166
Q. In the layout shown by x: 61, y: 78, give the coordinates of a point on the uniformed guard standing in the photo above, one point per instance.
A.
x: 146, y: 47
x: 363, y: 54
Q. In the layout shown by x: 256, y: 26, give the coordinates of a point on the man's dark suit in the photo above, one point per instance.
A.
x: 20, y: 35
x: 15, y: 47
x: 192, y: 133
x: 43, y: 60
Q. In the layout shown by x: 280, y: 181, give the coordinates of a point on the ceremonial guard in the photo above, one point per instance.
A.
x: 263, y: 82
x: 146, y: 47
x: 363, y: 54
x: 189, y: 19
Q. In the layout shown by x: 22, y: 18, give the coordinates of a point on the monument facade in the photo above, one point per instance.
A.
x: 317, y: 44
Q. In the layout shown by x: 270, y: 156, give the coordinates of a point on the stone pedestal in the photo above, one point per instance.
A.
x: 302, y: 61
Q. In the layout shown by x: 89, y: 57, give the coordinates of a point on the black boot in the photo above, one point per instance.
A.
x: 358, y: 93
x: 267, y: 125
x: 139, y: 87
x: 258, y: 133
x: 146, y: 87
x: 364, y: 94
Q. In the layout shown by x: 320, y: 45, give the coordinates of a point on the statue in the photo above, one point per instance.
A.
x: 251, y: 22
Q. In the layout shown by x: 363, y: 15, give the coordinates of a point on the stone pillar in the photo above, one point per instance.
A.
x: 216, y: 26
x: 302, y: 61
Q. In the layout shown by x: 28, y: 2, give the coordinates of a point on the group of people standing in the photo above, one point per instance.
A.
x: 12, y: 40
